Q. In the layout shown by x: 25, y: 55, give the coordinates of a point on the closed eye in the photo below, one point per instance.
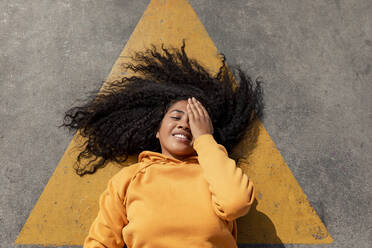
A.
x: 176, y: 118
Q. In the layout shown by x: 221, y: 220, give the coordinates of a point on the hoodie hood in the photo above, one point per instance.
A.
x: 149, y: 156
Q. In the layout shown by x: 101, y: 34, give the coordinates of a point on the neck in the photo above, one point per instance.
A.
x: 178, y: 157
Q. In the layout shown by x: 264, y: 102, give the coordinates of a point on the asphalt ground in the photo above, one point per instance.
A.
x: 314, y: 56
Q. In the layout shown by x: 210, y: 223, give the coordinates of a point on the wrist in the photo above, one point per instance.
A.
x: 207, y: 136
x: 203, y: 140
x: 200, y: 134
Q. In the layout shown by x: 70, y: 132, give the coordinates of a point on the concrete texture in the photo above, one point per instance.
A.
x: 315, y: 57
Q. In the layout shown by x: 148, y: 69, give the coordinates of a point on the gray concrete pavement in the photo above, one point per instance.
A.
x: 315, y: 57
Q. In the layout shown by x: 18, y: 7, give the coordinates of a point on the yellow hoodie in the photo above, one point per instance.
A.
x: 164, y: 202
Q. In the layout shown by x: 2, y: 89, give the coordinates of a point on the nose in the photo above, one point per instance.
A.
x: 184, y: 123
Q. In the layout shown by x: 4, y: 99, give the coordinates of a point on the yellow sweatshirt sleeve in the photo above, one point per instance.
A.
x: 106, y: 230
x: 232, y: 191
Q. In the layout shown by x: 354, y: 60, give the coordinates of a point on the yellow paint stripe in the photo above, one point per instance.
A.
x: 281, y: 213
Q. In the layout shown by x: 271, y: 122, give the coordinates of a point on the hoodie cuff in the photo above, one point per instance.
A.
x: 204, y: 139
x: 206, y: 144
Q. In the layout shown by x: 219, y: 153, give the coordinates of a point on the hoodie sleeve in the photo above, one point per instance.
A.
x: 232, y: 191
x: 106, y: 230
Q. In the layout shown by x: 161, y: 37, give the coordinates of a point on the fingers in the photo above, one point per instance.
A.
x: 205, y: 112
x: 190, y: 111
x: 196, y: 113
x: 200, y: 123
x: 198, y: 107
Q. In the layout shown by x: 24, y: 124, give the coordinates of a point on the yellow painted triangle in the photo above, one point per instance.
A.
x: 281, y: 212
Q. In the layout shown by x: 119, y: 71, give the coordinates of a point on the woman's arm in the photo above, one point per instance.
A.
x: 232, y: 191
x: 106, y: 230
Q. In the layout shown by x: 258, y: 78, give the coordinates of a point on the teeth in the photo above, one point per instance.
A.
x: 181, y: 136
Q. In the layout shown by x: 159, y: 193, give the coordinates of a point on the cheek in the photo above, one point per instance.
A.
x: 168, y: 127
x: 165, y: 130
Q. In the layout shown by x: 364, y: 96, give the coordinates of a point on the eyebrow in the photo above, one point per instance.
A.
x: 177, y: 110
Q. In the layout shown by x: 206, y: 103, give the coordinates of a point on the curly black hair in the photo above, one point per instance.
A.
x: 124, y: 116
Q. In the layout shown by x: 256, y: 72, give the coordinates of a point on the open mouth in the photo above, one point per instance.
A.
x: 182, y: 137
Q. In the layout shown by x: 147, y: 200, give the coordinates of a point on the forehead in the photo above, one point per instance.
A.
x: 180, y: 105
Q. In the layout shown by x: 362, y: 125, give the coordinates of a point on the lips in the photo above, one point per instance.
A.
x: 183, y: 135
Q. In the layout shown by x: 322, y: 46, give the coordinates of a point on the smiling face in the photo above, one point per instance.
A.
x: 174, y: 133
